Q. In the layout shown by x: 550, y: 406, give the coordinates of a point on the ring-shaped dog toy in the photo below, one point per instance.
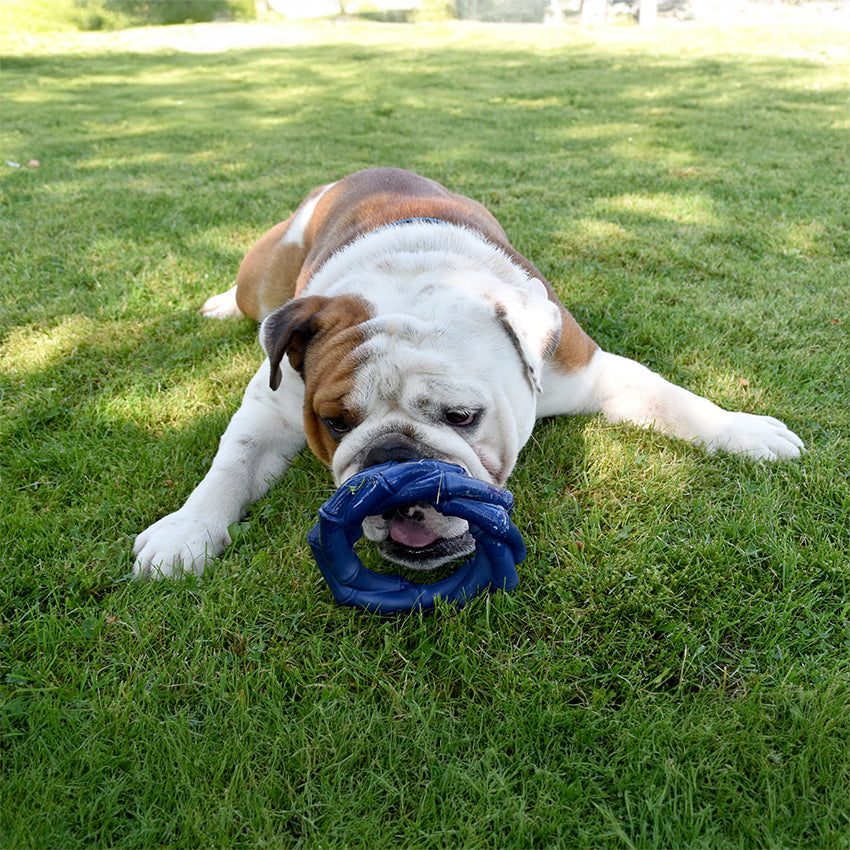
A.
x: 498, y: 543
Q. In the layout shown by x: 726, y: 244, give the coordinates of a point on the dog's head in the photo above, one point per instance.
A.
x: 453, y: 382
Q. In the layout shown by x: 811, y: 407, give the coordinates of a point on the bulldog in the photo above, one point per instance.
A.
x: 399, y: 323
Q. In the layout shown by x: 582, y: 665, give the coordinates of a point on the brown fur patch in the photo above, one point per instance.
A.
x: 318, y: 335
x: 268, y: 276
x: 575, y: 347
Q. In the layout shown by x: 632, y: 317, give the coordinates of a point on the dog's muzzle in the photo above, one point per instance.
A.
x: 419, y: 537
x: 416, y: 536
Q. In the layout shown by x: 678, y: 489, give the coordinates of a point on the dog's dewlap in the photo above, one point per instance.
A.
x: 498, y: 543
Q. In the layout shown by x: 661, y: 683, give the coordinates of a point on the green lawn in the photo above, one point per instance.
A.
x: 674, y: 668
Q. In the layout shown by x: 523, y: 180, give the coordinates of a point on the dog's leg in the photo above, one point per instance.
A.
x: 255, y: 450
x: 625, y: 391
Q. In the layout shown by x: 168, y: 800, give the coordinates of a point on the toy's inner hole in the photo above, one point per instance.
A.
x: 372, y: 559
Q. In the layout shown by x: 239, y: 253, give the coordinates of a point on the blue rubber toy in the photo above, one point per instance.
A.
x: 498, y: 543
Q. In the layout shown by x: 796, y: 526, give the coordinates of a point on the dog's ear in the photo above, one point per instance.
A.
x: 289, y: 331
x: 533, y: 322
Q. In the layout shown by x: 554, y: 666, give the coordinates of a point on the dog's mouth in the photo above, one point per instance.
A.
x: 429, y: 556
x: 419, y: 537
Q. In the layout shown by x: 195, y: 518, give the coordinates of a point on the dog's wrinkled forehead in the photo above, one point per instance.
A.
x: 418, y: 343
x: 407, y: 361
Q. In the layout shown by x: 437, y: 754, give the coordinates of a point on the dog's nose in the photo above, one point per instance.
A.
x: 396, y: 452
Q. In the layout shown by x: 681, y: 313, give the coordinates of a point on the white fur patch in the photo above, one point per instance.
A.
x: 414, y: 249
x: 443, y: 273
x: 222, y: 306
x: 295, y: 232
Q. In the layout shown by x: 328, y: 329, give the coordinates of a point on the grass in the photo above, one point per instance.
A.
x: 673, y: 669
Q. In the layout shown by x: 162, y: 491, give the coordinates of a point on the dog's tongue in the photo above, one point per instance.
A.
x: 412, y: 534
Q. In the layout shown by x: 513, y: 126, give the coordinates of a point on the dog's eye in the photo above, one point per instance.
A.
x: 461, y: 418
x: 336, y: 425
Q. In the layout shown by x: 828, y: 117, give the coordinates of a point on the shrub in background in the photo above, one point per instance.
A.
x: 435, y: 10
x: 117, y: 14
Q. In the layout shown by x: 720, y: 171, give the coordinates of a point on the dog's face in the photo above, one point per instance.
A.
x: 457, y: 386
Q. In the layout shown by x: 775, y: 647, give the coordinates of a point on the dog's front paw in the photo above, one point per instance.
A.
x: 178, y: 544
x: 756, y: 437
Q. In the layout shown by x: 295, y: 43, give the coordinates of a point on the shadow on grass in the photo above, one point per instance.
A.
x: 158, y: 138
x: 157, y: 152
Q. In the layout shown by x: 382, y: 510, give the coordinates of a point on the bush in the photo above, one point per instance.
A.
x: 428, y: 11
x: 435, y: 10
x: 117, y: 14
x: 370, y: 12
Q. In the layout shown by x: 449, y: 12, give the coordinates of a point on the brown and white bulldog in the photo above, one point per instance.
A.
x: 400, y: 323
